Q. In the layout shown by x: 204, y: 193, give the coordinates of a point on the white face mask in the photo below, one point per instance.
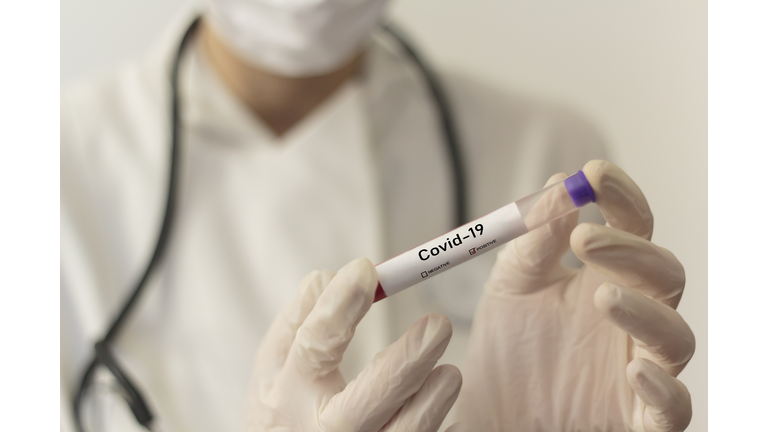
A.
x: 295, y: 38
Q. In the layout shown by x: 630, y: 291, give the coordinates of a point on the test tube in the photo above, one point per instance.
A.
x: 482, y: 235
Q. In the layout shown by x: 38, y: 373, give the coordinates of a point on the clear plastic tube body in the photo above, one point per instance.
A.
x: 482, y: 235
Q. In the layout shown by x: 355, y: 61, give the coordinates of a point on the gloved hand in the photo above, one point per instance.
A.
x: 296, y: 382
x: 598, y: 349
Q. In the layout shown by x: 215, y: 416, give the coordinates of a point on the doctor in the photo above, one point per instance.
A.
x: 308, y: 138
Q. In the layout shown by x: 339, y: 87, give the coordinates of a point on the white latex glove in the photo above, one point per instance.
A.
x: 296, y: 382
x: 598, y: 349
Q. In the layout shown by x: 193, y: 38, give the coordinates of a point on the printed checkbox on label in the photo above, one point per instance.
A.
x: 472, y: 251
x: 424, y: 274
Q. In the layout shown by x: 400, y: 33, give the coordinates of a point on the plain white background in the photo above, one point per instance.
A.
x: 637, y: 70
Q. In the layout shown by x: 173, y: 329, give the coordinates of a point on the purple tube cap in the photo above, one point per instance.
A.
x: 579, y: 189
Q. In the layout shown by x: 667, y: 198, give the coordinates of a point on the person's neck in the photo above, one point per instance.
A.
x: 281, y: 102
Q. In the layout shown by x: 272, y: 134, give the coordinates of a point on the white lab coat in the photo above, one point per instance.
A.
x: 364, y: 175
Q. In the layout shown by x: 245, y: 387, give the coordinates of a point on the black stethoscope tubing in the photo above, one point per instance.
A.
x: 103, y: 354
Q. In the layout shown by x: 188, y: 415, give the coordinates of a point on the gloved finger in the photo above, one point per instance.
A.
x: 277, y: 343
x: 668, y: 403
x: 426, y: 410
x: 530, y: 261
x: 397, y: 372
x: 655, y: 327
x: 323, y: 337
x: 620, y: 200
x: 631, y: 261
x: 457, y: 427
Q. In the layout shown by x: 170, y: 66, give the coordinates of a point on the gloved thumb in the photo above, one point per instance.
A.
x: 457, y: 427
x: 532, y: 260
x: 324, y: 335
x: 278, y: 340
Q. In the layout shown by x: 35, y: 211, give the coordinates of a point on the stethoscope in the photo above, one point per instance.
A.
x: 103, y: 354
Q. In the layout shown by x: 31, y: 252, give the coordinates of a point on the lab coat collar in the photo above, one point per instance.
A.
x: 210, y: 108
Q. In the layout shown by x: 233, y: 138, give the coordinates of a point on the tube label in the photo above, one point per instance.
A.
x: 450, y: 249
